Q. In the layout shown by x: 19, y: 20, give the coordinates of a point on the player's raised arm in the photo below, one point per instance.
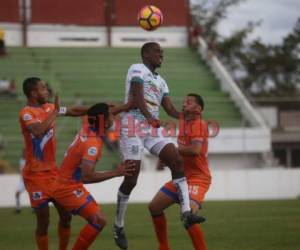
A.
x: 90, y: 176
x: 169, y: 107
x: 39, y: 129
x: 137, y: 92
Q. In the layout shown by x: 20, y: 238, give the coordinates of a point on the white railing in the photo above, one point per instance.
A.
x: 228, y: 85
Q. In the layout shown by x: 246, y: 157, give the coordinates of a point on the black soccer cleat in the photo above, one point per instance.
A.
x: 120, y: 237
x: 188, y: 219
x: 17, y: 211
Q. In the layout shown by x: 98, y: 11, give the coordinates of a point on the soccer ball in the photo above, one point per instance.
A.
x: 150, y: 17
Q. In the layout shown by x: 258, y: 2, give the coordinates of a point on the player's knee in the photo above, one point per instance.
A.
x: 154, y: 210
x: 130, y: 183
x: 176, y: 165
x: 98, y: 221
x: 102, y: 222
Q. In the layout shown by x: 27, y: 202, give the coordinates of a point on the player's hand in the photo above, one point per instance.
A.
x: 155, y: 123
x: 126, y: 168
x: 56, y: 102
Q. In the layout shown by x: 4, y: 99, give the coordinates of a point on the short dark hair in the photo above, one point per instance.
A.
x: 29, y: 84
x: 147, y: 46
x: 199, y: 99
x: 94, y: 113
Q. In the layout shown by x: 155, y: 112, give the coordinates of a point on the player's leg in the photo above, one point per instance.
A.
x: 20, y: 189
x: 156, y: 207
x: 41, y: 232
x: 39, y: 198
x: 170, y: 156
x: 128, y: 184
x: 198, y: 188
x: 131, y: 149
x: 64, y: 226
x: 195, y: 231
x: 96, y: 222
x: 18, y: 204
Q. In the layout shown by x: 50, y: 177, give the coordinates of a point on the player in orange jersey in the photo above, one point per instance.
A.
x: 192, y: 146
x: 78, y: 167
x: 37, y: 120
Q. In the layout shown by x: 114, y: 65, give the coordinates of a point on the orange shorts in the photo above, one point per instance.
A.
x: 197, y: 189
x: 76, y: 199
x: 39, y: 187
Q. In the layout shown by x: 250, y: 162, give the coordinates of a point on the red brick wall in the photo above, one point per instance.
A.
x: 9, y: 11
x: 91, y: 12
x: 82, y: 12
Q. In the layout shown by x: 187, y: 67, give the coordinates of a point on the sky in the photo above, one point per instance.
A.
x: 278, y: 18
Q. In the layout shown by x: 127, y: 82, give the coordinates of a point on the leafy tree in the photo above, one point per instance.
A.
x: 259, y: 69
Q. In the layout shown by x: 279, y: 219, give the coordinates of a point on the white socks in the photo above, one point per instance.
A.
x: 121, y: 209
x: 18, y: 205
x: 183, y: 193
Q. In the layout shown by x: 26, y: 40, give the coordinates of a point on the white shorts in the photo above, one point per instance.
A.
x: 132, y: 144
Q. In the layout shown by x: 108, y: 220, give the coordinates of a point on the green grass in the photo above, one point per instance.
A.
x: 231, y: 225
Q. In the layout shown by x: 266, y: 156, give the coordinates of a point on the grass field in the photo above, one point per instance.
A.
x: 234, y: 225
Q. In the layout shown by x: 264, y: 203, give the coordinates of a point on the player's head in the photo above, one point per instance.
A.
x: 193, y: 104
x: 35, y: 89
x: 99, y: 117
x: 152, y: 54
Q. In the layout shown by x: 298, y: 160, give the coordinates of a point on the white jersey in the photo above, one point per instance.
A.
x: 155, y: 88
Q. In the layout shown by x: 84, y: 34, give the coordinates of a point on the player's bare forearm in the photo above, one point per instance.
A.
x: 40, y: 128
x: 192, y: 150
x: 170, y: 109
x: 89, y: 176
x: 99, y: 176
x: 137, y: 91
x: 121, y: 108
x: 76, y: 111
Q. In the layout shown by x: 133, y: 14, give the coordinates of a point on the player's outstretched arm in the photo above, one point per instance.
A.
x: 75, y: 111
x: 121, y: 108
x: 169, y: 107
x: 90, y: 176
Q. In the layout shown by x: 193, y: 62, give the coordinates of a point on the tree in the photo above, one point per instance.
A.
x: 258, y: 68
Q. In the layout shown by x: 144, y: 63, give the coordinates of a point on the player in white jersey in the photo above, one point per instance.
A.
x: 140, y: 128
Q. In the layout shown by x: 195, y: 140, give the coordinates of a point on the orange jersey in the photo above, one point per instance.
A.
x: 39, y: 152
x: 86, y: 146
x: 192, y: 132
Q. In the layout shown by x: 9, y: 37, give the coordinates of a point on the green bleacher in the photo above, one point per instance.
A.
x: 98, y: 74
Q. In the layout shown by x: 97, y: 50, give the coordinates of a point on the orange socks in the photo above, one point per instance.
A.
x: 86, y: 237
x: 197, y: 237
x: 64, y: 236
x: 160, y: 226
x: 42, y: 242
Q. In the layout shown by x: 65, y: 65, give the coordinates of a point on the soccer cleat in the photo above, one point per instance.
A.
x: 17, y: 211
x: 120, y: 237
x: 188, y: 219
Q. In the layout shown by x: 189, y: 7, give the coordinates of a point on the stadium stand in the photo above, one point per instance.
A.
x: 98, y: 74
